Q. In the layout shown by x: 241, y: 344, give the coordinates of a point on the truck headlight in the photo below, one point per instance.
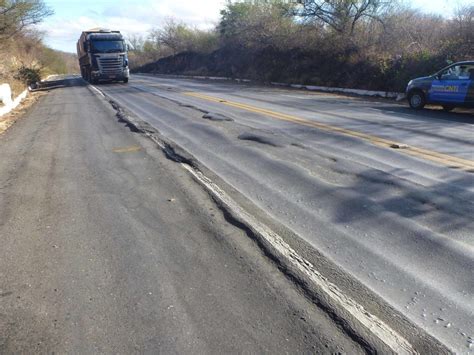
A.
x: 125, y: 62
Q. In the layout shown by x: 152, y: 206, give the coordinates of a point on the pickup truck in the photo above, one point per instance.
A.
x: 452, y: 86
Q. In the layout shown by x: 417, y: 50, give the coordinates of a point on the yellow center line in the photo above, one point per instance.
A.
x: 131, y: 149
x: 444, y: 159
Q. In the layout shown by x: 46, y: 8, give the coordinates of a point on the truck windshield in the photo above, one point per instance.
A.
x: 107, y: 46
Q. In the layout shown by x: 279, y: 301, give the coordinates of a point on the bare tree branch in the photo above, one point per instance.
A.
x: 340, y: 15
x: 16, y: 15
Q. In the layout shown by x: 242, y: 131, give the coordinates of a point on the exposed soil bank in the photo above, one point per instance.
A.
x: 298, y: 67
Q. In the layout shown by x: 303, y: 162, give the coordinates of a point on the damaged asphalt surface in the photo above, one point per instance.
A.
x: 109, y: 247
x: 400, y: 224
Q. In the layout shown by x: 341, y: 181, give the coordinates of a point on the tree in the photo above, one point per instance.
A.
x: 258, y: 23
x: 16, y: 15
x: 463, y: 31
x: 175, y: 37
x: 341, y: 15
x: 137, y: 42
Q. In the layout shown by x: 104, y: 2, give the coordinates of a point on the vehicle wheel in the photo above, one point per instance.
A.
x: 125, y: 80
x: 448, y: 108
x: 417, y: 100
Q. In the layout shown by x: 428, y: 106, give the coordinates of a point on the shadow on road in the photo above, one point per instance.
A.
x: 113, y: 82
x: 433, y: 205
x: 60, y: 83
x: 461, y: 115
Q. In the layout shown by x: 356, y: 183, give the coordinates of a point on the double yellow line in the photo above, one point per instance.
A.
x: 440, y: 158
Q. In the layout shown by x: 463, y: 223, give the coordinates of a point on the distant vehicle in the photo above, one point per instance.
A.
x: 450, y: 87
x: 103, y: 56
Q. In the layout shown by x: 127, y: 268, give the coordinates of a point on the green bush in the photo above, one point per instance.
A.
x: 28, y: 75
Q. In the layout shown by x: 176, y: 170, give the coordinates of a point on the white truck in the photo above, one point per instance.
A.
x: 103, y: 56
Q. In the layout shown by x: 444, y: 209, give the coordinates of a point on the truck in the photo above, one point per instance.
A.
x: 103, y: 56
x: 452, y: 86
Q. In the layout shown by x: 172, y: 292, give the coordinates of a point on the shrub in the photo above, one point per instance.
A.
x: 28, y: 75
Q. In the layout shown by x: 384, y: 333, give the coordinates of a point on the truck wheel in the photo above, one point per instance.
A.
x: 448, y: 108
x: 125, y: 80
x: 416, y: 99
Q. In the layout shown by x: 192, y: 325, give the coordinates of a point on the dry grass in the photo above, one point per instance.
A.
x: 17, y: 87
x: 7, y: 69
x: 9, y: 119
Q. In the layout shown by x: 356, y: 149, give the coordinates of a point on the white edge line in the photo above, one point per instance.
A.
x: 97, y: 90
x: 370, y: 322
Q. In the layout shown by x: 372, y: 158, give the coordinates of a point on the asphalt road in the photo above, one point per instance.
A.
x: 384, y: 192
x: 108, y: 247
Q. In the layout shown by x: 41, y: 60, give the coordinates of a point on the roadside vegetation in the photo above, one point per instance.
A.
x: 25, y: 59
x: 367, y: 44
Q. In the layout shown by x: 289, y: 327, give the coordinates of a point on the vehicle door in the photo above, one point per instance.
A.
x: 470, y: 90
x: 452, y: 85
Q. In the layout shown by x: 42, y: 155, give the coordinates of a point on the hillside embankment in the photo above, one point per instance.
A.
x: 296, y: 67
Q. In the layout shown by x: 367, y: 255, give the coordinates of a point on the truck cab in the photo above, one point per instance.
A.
x: 103, y: 56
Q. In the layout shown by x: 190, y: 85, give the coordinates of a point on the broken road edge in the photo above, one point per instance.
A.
x: 374, y: 334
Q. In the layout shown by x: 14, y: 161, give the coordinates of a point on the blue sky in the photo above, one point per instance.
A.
x: 137, y: 17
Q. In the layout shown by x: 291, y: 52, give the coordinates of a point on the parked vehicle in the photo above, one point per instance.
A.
x: 450, y: 87
x: 103, y: 56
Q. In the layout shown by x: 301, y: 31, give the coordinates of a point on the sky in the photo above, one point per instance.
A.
x: 71, y: 17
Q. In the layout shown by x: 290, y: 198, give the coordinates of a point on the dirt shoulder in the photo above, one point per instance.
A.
x: 10, y: 118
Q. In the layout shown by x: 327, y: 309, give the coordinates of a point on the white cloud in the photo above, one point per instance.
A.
x: 196, y: 12
x: 63, y: 32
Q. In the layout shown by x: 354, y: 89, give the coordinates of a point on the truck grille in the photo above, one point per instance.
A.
x: 111, y: 66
